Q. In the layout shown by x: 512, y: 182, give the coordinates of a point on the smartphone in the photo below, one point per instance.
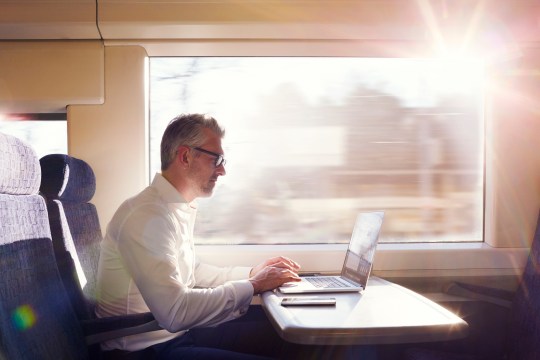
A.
x: 300, y: 301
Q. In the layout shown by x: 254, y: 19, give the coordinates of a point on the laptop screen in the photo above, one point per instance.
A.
x: 361, y: 251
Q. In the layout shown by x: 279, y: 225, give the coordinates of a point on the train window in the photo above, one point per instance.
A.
x: 47, y: 133
x: 311, y: 141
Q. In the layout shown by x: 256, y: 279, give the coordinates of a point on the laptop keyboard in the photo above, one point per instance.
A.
x: 327, y: 282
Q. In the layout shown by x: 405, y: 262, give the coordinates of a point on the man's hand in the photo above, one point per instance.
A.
x: 273, y: 273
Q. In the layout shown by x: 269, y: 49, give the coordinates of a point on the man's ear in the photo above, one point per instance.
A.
x: 184, y: 156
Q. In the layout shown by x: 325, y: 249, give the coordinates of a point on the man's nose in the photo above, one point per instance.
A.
x: 220, y: 170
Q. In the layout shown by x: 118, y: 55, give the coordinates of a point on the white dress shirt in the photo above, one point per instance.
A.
x: 148, y: 263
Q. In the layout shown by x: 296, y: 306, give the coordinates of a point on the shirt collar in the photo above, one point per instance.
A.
x: 169, y: 194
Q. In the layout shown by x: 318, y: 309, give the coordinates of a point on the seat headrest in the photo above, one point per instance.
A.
x: 67, y: 178
x: 20, y: 173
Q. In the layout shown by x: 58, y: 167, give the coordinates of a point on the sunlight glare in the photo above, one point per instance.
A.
x: 24, y: 317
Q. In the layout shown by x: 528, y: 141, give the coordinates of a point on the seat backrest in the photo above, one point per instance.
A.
x: 524, y: 330
x: 36, y: 318
x: 68, y: 184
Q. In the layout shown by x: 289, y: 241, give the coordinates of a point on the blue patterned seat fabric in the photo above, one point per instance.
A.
x: 36, y: 318
x: 68, y: 184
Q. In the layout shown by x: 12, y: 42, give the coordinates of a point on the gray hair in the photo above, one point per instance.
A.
x: 187, y: 130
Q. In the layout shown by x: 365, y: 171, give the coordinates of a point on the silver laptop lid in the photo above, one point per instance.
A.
x: 359, y: 258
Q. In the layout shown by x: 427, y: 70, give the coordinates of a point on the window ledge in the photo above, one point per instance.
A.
x: 415, y: 259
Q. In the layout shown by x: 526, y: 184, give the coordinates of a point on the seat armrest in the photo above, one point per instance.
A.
x: 477, y: 292
x: 103, y: 329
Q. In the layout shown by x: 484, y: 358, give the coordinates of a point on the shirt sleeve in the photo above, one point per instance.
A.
x: 210, y: 275
x: 152, y: 249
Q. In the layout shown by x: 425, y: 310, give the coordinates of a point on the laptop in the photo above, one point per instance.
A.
x: 357, y: 265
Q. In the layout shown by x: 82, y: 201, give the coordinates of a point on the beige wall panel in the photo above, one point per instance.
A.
x: 47, y: 76
x: 513, y: 164
x: 403, y: 20
x: 48, y: 19
x: 324, y: 19
x: 112, y: 137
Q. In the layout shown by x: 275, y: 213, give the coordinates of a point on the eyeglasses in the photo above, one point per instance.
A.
x: 220, y: 160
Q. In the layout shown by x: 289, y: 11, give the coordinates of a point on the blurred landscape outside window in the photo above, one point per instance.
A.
x: 312, y: 141
x: 45, y: 136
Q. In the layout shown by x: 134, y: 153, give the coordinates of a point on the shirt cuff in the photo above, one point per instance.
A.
x: 244, y: 291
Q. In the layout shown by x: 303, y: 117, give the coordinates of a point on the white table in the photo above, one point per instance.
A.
x: 384, y: 313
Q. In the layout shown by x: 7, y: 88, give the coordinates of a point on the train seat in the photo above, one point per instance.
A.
x: 68, y: 184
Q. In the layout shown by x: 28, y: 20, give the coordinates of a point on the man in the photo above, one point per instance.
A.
x: 148, y: 263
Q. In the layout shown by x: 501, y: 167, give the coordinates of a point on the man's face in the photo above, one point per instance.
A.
x: 204, y: 173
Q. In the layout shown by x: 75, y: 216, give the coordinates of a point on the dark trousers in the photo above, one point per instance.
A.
x: 249, y: 337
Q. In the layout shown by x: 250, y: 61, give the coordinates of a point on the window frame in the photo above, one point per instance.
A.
x: 504, y: 260
x: 391, y: 260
